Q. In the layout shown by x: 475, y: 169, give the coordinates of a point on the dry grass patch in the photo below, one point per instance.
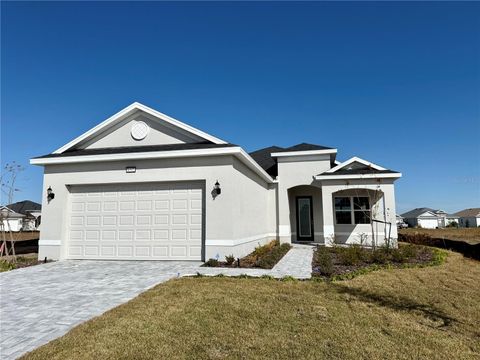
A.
x: 469, y: 235
x: 428, y: 313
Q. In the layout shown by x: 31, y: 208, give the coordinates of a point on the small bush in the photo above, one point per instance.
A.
x: 324, y: 261
x: 229, y: 259
x: 211, y: 263
x: 453, y: 224
x: 6, y: 266
x: 398, y: 256
x: 264, y: 249
x: 378, y: 256
x: 268, y: 260
x: 352, y: 255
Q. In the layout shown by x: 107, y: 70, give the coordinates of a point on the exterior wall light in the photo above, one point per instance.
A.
x: 216, y: 190
x: 50, y: 194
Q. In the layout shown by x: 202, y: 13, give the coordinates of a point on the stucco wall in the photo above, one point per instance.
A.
x: 295, y: 171
x: 237, y: 217
x: 352, y: 233
x: 159, y: 134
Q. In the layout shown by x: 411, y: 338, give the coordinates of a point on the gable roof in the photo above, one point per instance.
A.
x: 472, y: 212
x: 129, y: 110
x: 12, y: 214
x: 417, y: 212
x: 135, y: 149
x: 264, y: 156
x: 367, y: 165
x: 356, y: 167
x: 24, y: 207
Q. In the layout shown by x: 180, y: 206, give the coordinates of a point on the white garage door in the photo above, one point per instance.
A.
x: 135, y: 221
x: 428, y: 223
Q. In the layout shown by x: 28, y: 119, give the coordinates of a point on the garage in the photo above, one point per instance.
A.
x: 152, y: 221
x: 428, y: 223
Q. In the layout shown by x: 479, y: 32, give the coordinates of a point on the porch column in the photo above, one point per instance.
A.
x: 390, y: 211
x: 284, y: 231
x: 328, y: 223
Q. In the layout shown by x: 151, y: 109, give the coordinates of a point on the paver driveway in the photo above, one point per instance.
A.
x: 41, y: 303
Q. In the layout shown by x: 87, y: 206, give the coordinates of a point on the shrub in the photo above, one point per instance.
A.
x: 263, y: 249
x: 268, y: 260
x: 352, y: 255
x: 398, y: 256
x: 324, y: 261
x: 379, y: 256
x: 453, y: 224
x: 229, y: 259
x: 211, y: 263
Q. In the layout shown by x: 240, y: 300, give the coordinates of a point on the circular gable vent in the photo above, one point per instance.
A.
x: 139, y: 130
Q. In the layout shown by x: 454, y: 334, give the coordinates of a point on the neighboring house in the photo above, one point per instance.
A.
x: 32, y: 212
x: 11, y: 220
x: 428, y: 218
x: 400, y: 221
x: 469, y: 217
x: 142, y: 185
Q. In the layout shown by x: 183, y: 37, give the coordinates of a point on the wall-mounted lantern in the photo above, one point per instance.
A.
x: 50, y: 194
x: 216, y: 190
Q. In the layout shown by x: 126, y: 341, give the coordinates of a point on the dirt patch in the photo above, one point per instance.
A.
x: 471, y: 250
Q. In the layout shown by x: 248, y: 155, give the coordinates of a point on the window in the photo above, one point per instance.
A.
x: 352, y: 210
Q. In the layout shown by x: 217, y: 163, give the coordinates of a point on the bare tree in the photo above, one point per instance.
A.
x: 8, y: 181
x: 9, y: 178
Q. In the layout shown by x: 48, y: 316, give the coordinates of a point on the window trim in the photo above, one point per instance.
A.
x: 352, y: 209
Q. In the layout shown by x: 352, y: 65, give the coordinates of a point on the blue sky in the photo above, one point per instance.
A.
x: 395, y: 83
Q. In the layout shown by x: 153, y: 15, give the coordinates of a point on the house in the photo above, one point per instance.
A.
x: 469, y: 217
x: 142, y: 185
x: 428, y: 218
x: 445, y: 219
x: 11, y: 220
x: 32, y: 212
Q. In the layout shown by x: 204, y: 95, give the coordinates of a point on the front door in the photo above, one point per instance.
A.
x: 304, y: 218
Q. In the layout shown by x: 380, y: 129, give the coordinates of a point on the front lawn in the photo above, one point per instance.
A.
x: 417, y: 313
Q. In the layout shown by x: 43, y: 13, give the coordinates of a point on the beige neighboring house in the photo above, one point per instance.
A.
x: 143, y: 185
x: 469, y: 217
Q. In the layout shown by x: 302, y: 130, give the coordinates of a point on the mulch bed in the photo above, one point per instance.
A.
x: 263, y: 257
x: 422, y: 256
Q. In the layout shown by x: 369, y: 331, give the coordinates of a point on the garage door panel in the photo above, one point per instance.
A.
x: 136, y: 221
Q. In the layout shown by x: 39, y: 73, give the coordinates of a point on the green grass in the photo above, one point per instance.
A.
x: 21, y: 261
x: 414, y: 313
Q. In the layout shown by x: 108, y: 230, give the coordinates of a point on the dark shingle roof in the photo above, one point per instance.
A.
x: 22, y: 207
x: 134, y: 149
x: 269, y: 164
x: 359, y: 172
x: 304, y: 147
x: 417, y: 212
x: 266, y: 162
x: 473, y: 212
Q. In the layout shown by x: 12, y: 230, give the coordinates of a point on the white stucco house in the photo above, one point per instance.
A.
x: 11, y: 220
x: 469, y: 217
x: 142, y: 185
x: 428, y: 218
